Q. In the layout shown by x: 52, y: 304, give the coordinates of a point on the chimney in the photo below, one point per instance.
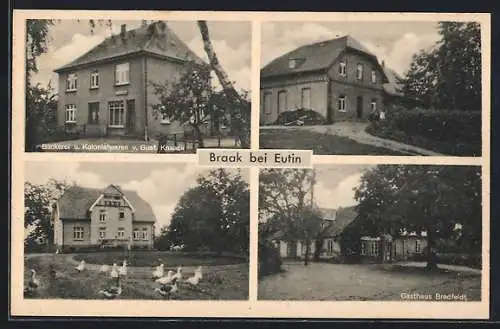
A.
x: 160, y: 29
x: 123, y: 30
x: 383, y: 64
x: 144, y: 23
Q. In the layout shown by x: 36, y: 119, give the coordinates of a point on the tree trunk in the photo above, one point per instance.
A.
x: 199, y: 136
x: 240, y: 115
x: 431, y: 247
x: 306, y: 256
x: 318, y: 246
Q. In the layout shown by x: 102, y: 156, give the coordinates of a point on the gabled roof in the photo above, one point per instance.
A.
x: 393, y: 87
x: 314, y: 57
x: 343, y: 217
x: 156, y: 39
x: 76, y: 201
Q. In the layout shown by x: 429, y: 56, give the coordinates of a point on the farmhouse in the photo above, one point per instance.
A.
x: 340, y: 79
x: 340, y: 235
x: 90, y: 217
x: 108, y: 92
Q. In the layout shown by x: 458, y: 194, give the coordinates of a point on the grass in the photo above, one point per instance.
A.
x: 219, y: 282
x: 319, y: 143
x: 454, y: 147
x: 151, y: 258
x: 321, y: 281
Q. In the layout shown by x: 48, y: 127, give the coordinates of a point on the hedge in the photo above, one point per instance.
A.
x: 450, y: 132
x: 269, y: 259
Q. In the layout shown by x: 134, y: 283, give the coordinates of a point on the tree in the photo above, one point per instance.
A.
x: 240, y: 111
x: 187, y: 100
x: 213, y: 215
x: 448, y: 76
x: 429, y: 200
x: 283, y: 199
x: 38, y: 202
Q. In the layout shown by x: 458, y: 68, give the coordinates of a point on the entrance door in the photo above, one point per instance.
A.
x: 130, y: 116
x: 93, y: 113
x: 359, y: 107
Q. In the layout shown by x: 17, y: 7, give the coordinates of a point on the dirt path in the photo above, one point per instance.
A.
x: 356, y: 132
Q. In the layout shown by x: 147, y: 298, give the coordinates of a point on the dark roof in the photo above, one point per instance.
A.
x: 393, y: 87
x: 76, y: 201
x: 343, y: 217
x: 313, y: 57
x: 144, y: 38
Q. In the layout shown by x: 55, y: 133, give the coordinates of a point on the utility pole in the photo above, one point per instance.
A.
x: 312, y: 186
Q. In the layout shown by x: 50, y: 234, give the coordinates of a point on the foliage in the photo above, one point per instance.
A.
x: 213, y: 215
x: 433, y: 199
x: 38, y: 202
x: 450, y: 132
x: 449, y: 75
x: 284, y: 203
x: 269, y: 259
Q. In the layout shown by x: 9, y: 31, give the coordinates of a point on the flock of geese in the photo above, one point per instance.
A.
x: 168, y: 284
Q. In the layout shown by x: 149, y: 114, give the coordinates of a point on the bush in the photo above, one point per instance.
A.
x: 269, y: 259
x: 299, y: 117
x: 452, y: 132
x: 462, y: 259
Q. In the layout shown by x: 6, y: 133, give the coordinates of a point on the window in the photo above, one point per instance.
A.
x: 267, y: 103
x: 359, y: 72
x: 145, y: 234
x: 94, y: 80
x: 417, y: 246
x: 102, y: 233
x: 363, y: 248
x: 71, y: 82
x: 103, y: 216
x: 292, y: 63
x: 373, y: 105
x: 374, y: 76
x: 342, y: 103
x: 71, y: 113
x: 122, y: 215
x: 116, y: 113
x: 122, y: 74
x: 78, y: 233
x: 282, y: 101
x: 305, y: 98
x: 136, y: 234
x: 121, y: 233
x: 374, y: 248
x: 342, y: 69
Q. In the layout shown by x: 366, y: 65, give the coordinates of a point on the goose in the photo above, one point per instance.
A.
x: 158, y: 272
x: 33, y: 283
x: 166, y: 279
x: 195, y: 279
x: 112, y: 291
x: 80, y: 266
x: 114, y: 271
x: 167, y: 290
x: 123, y: 270
x: 104, y: 268
x: 178, y: 275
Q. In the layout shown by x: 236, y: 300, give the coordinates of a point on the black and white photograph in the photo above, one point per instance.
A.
x: 137, y: 86
x: 370, y: 232
x: 372, y: 87
x: 98, y: 230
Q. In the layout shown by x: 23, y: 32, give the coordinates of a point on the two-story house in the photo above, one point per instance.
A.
x: 340, y: 79
x: 108, y: 92
x: 89, y: 217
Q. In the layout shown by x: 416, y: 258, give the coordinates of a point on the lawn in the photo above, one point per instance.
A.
x: 323, y: 281
x: 319, y: 143
x: 222, y: 282
x: 151, y: 258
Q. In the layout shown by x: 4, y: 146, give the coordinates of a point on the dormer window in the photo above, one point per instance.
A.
x: 342, y: 69
x: 72, y: 82
x: 293, y: 63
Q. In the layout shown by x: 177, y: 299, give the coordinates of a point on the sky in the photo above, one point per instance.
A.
x: 335, y: 184
x: 393, y: 42
x: 69, y: 39
x: 160, y: 184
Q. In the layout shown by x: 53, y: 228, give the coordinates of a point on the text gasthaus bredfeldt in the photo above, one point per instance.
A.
x: 257, y: 157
